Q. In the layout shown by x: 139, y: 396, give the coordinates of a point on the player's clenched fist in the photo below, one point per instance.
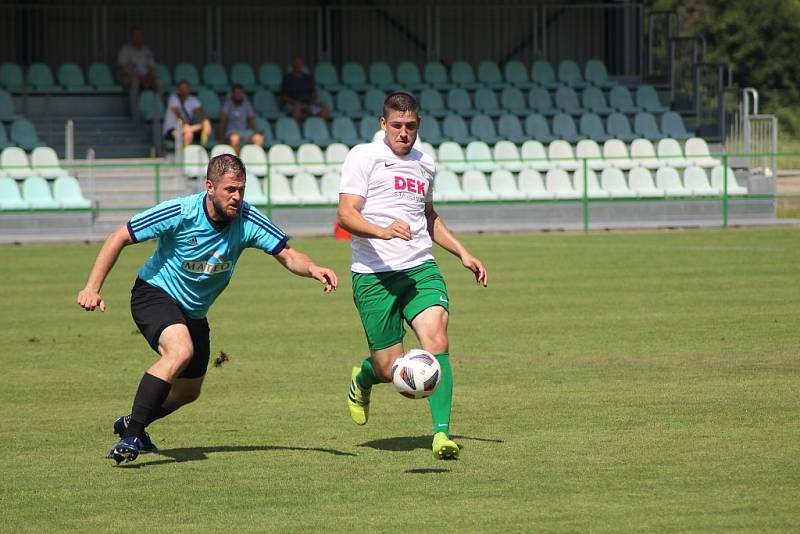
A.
x: 399, y: 229
x: 89, y: 300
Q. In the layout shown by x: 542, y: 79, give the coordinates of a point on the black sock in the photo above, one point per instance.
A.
x: 160, y: 412
x: 149, y: 397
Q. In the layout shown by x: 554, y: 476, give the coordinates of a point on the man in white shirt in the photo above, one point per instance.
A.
x: 137, y: 65
x: 184, y: 106
x: 386, y: 202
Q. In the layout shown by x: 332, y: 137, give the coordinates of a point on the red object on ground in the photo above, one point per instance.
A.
x: 341, y: 233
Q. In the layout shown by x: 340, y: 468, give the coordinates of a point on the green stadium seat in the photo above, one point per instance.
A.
x: 640, y: 181
x: 11, y: 77
x: 719, y: 175
x: 532, y: 185
x: 306, y: 190
x: 591, y: 126
x: 486, y: 102
x: 475, y: 185
x: 696, y: 181
x: 163, y: 73
x: 353, y: 76
x: 210, y: 103
x: 617, y: 125
x: 669, y: 181
x: 215, y: 78
x: 101, y: 80
x: 534, y: 156
x: 428, y: 149
x: 589, y: 149
x: 698, y: 153
x: 615, y: 152
x: 5, y: 142
x: 462, y: 74
x: 431, y: 103
x: 558, y: 184
x: 70, y: 76
x: 478, y: 156
x: 7, y: 111
x: 536, y: 127
x: 36, y: 192
x: 23, y: 133
x: 567, y: 101
x: 195, y: 161
x: 560, y: 154
x: 455, y: 129
x: 647, y: 99
x: 612, y: 180
x: 44, y: 163
x: 270, y: 76
x: 595, y: 73
x: 326, y: 76
x: 513, y: 101
x: 570, y: 74
x: 220, y: 149
x: 373, y: 102
x: 564, y: 128
x: 381, y: 76
x: 482, y: 128
x: 263, y: 126
x: 282, y: 161
x: 288, y: 132
x: 325, y: 98
x: 458, y: 101
x: 348, y: 103
x: 67, y: 192
x: 187, y: 72
x: 539, y: 100
x: 447, y: 188
x: 335, y: 155
x: 367, y: 127
x: 502, y: 184
x: 254, y: 192
x: 516, y: 74
x: 593, y: 100
x: 40, y: 79
x: 672, y: 125
x: 620, y: 99
x: 266, y: 105
x: 451, y: 157
x: 311, y: 159
x: 316, y: 131
x: 542, y: 74
x: 344, y: 131
x: 506, y: 155
x: 670, y: 151
x: 255, y: 159
x: 435, y: 75
x: 278, y: 190
x: 489, y: 75
x: 409, y: 77
x: 430, y: 132
x: 243, y: 74
x: 593, y: 189
x: 509, y: 127
x: 329, y: 187
x: 644, y: 125
x: 643, y: 154
x: 10, y: 198
x: 14, y: 162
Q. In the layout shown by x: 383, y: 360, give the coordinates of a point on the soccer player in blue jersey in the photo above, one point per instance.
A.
x: 200, y: 238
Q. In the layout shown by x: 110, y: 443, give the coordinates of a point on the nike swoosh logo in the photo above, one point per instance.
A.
x: 390, y: 164
x: 443, y: 299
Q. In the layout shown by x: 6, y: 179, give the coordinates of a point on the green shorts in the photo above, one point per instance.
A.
x: 385, y: 299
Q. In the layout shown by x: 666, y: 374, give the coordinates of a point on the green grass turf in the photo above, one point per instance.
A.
x: 605, y: 382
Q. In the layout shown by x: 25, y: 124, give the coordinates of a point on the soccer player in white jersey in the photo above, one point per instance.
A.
x: 200, y: 238
x: 385, y: 201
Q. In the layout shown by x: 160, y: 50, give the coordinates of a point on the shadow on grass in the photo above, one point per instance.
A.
x: 191, y: 454
x: 426, y: 471
x: 410, y: 443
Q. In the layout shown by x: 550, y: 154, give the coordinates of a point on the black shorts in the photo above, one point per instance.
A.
x: 169, y: 135
x: 153, y: 310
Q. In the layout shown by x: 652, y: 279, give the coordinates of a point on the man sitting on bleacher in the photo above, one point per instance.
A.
x: 237, y: 121
x: 137, y: 65
x: 185, y: 107
x: 299, y: 94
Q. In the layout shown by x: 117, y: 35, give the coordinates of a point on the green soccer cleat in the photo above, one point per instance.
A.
x: 444, y: 448
x: 358, y: 400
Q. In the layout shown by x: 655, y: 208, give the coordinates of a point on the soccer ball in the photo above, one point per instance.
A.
x: 416, y: 374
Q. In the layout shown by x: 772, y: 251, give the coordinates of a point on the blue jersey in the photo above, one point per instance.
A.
x: 195, y: 257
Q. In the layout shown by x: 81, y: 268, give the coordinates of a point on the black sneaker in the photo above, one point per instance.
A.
x: 147, y: 444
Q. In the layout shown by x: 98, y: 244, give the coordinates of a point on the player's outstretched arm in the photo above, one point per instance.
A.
x: 350, y: 218
x: 442, y: 236
x: 89, y: 297
x: 301, y: 265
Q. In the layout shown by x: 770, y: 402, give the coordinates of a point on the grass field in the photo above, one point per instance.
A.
x: 605, y: 382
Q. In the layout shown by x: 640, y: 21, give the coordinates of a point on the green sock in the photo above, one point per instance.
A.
x: 441, y: 401
x: 367, y: 377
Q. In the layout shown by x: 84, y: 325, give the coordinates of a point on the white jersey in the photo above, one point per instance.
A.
x: 394, y: 187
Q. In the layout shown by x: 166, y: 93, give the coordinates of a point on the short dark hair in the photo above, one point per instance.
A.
x: 224, y: 164
x: 400, y: 101
x: 236, y: 86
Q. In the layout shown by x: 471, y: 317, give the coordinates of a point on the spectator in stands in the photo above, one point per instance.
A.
x: 137, y: 65
x: 299, y: 94
x: 183, y: 106
x: 237, y: 121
